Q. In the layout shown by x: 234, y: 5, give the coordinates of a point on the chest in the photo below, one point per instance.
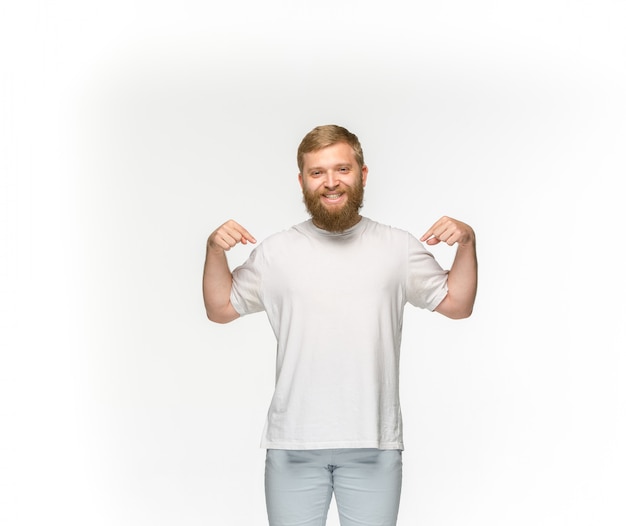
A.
x: 335, y: 274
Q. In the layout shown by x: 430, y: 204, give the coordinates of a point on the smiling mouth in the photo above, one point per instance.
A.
x: 333, y: 197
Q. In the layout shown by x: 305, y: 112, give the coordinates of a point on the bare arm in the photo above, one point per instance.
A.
x: 463, y: 275
x: 217, y: 279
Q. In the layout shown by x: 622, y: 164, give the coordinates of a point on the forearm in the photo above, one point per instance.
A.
x: 463, y: 281
x: 216, y: 286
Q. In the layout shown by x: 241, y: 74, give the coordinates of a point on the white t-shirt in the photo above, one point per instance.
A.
x: 335, y: 302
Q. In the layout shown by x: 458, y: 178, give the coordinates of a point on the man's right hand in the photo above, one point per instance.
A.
x: 217, y: 279
x: 228, y: 235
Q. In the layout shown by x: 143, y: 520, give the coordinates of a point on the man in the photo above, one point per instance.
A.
x: 334, y: 290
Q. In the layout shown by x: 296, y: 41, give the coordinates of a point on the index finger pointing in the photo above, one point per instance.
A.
x: 238, y: 232
x: 247, y: 236
x: 429, y: 233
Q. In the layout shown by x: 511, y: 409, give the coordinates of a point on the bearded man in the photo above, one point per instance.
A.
x: 334, y: 290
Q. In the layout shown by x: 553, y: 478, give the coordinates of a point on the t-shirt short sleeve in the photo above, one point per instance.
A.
x: 427, y: 282
x: 246, y: 294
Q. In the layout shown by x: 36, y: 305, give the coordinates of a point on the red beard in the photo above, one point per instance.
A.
x: 340, y: 219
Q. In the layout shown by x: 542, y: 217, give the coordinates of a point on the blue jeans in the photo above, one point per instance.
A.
x: 366, y: 482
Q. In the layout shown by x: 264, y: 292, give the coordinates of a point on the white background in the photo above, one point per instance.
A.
x: 130, y: 130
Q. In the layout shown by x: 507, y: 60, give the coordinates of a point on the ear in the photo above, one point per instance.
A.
x: 364, y: 172
x: 300, y: 180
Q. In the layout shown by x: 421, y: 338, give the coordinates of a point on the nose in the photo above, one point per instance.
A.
x: 331, y: 179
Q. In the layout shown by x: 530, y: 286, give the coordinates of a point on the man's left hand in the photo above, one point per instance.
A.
x: 449, y: 231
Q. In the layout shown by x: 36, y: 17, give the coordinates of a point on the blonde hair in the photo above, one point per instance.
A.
x: 324, y: 136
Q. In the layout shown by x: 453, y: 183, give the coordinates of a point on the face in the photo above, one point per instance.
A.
x: 332, y: 186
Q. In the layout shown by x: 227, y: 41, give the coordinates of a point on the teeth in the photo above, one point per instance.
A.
x: 332, y: 196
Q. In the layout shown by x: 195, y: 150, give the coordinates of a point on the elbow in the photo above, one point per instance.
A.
x: 220, y: 317
x: 455, y: 310
x: 215, y: 319
x: 462, y: 311
x: 462, y: 314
